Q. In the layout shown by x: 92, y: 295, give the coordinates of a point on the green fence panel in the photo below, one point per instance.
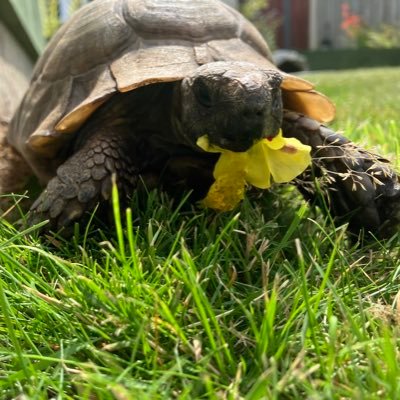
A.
x: 352, y: 58
x: 29, y: 14
x: 22, y: 18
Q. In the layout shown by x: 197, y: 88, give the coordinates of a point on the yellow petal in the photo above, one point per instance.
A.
x: 279, y: 157
x: 257, y: 170
x: 229, y: 186
x: 225, y: 193
x: 230, y: 163
x: 289, y: 161
x: 205, y: 144
x: 276, y: 142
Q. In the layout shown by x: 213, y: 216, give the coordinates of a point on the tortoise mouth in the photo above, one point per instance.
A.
x: 244, y: 144
x: 235, y: 146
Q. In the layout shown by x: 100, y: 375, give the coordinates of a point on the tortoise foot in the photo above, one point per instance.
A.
x: 355, y: 185
x: 82, y: 182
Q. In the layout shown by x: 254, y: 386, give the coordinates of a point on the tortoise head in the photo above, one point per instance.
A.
x: 234, y: 103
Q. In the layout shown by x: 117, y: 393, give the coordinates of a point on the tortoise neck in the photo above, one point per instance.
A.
x: 146, y: 112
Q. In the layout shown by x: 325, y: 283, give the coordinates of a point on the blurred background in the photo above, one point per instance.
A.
x: 304, y: 34
x: 331, y: 34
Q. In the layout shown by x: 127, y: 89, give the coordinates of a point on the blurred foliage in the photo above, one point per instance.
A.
x: 51, y: 14
x: 362, y: 35
x: 387, y: 36
x: 50, y: 18
x: 265, y: 19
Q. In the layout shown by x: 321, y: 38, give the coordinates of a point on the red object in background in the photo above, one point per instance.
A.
x: 294, y: 20
x: 349, y: 19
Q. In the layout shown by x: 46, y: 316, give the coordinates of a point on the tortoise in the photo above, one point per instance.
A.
x: 126, y: 87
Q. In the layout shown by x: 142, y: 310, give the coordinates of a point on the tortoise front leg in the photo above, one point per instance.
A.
x: 84, y: 180
x: 356, y: 185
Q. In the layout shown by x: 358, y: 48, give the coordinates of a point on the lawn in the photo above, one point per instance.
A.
x: 267, y: 302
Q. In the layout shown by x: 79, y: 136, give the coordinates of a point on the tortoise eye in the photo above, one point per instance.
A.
x: 202, y: 93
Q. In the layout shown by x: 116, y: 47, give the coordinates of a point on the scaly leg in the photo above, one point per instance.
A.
x: 84, y: 180
x: 358, y: 186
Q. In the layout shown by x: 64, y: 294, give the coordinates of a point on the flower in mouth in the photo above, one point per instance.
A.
x: 276, y: 159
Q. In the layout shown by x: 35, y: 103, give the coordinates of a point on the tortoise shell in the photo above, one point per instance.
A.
x: 120, y: 45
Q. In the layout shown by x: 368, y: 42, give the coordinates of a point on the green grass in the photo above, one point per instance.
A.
x: 367, y: 104
x: 267, y: 302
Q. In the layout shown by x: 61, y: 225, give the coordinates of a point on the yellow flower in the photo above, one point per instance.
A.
x: 280, y: 158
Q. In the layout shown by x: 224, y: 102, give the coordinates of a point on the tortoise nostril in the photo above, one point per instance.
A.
x: 253, y: 114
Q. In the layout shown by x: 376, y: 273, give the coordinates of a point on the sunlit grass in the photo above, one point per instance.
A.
x: 362, y: 96
x: 367, y: 103
x: 267, y: 302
